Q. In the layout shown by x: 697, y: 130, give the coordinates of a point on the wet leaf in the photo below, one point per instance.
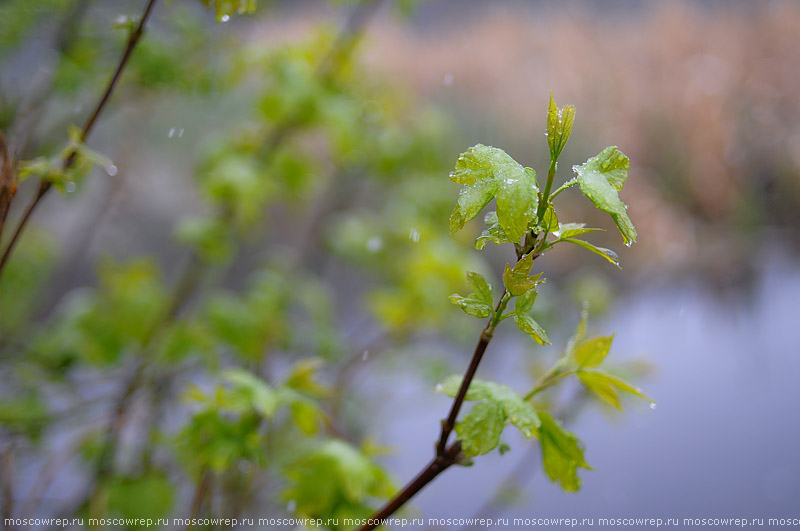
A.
x: 559, y: 127
x: 608, y: 254
x: 600, y: 178
x: 562, y: 453
x: 487, y: 172
x: 480, y: 431
x: 527, y: 324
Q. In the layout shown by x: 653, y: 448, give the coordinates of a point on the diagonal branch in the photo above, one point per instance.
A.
x: 45, y: 186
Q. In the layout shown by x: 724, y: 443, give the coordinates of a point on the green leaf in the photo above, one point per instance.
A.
x: 334, y: 478
x: 254, y: 391
x: 472, y: 305
x: 482, y: 290
x: 517, y: 201
x: 516, y: 410
x: 517, y: 279
x: 592, y: 352
x: 471, y: 200
x: 480, y: 431
x: 600, y: 178
x: 493, y: 232
x: 562, y: 453
x: 601, y: 388
x: 527, y: 324
x: 525, y: 302
x: 487, y: 172
x: 549, y: 221
x: 610, y: 379
x: 559, y: 127
x: 608, y: 254
x: 570, y: 230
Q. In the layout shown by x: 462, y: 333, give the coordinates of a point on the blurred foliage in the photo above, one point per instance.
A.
x: 229, y: 369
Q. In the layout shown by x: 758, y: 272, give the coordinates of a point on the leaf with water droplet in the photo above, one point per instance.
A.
x: 514, y: 408
x: 600, y: 178
x: 480, y: 431
x: 527, y: 324
x: 488, y: 172
x: 482, y: 290
x: 493, y: 232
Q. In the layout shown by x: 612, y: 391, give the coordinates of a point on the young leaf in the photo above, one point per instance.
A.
x: 252, y: 389
x: 525, y: 302
x: 608, y: 254
x: 480, y: 431
x: 472, y: 305
x: 471, y: 200
x: 570, y: 230
x: 559, y: 127
x: 600, y: 178
x: 517, y: 200
x: 493, y: 232
x: 601, y: 388
x: 620, y: 384
x: 482, y: 289
x: 592, y: 352
x: 487, y: 171
x: 517, y: 280
x: 562, y: 453
x: 515, y: 408
x: 549, y: 221
x: 526, y: 323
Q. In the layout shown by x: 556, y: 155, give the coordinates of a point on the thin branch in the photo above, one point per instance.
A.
x: 199, y: 495
x: 45, y: 186
x: 446, y: 456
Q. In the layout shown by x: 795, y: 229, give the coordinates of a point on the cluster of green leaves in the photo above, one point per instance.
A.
x: 526, y: 216
x: 335, y: 480
x: 228, y: 428
x: 314, y: 132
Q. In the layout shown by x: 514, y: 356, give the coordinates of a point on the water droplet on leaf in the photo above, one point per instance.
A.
x: 413, y: 235
x: 112, y: 170
x: 70, y: 187
x: 652, y: 405
x: 225, y: 18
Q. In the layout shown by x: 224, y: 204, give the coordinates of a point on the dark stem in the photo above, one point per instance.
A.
x: 199, y: 494
x: 477, y: 356
x: 434, y: 468
x: 45, y: 186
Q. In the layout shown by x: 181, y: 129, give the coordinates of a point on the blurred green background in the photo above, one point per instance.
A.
x: 246, y: 314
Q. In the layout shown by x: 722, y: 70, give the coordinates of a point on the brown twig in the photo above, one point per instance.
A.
x: 199, y: 495
x: 45, y: 186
